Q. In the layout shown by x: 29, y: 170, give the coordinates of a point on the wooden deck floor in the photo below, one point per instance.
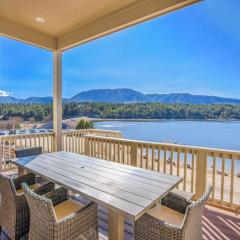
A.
x: 217, y: 225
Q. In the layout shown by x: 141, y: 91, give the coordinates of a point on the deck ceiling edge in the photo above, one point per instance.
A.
x: 133, y: 14
x: 27, y: 35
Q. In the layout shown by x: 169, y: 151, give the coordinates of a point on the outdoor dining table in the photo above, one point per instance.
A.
x: 126, y: 191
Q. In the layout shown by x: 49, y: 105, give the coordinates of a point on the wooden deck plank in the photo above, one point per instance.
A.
x: 93, y: 194
x: 117, y: 178
x: 121, y: 176
x: 137, y: 187
x: 105, y: 172
x: 95, y: 182
x: 80, y: 176
x: 127, y: 168
x: 126, y: 174
x: 220, y: 224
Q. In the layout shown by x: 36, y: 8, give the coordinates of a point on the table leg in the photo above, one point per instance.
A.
x: 21, y: 171
x: 115, y: 225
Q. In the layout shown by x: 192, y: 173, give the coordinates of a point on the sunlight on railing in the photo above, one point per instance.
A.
x: 198, y: 166
x: 73, y: 141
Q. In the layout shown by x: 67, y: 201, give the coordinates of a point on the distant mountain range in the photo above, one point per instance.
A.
x: 124, y: 95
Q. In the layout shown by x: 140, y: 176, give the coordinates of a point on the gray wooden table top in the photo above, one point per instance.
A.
x: 126, y: 189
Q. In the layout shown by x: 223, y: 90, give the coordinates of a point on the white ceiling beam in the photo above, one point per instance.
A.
x: 15, y: 31
x: 134, y: 13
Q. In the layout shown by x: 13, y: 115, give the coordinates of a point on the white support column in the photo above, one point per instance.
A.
x: 201, y: 174
x: 57, y: 101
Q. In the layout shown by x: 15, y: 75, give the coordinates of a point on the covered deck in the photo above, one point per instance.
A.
x: 60, y: 27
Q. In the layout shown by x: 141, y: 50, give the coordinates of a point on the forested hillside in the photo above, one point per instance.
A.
x: 43, y: 112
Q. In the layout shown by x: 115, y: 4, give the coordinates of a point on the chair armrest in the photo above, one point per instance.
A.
x: 156, y: 229
x: 45, y: 188
x: 57, y: 196
x: 40, y: 180
x: 176, y: 202
x: 84, y: 222
x: 28, y: 178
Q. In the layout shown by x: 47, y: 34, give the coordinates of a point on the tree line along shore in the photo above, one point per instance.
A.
x: 43, y: 112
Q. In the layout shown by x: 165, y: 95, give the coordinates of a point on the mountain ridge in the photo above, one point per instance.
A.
x: 125, y: 95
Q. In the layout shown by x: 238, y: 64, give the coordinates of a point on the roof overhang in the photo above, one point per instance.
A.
x: 64, y: 29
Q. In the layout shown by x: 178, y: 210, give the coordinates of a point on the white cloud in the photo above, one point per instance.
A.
x: 4, y: 93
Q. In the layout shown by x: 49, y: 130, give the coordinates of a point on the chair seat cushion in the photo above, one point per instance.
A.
x: 167, y: 214
x: 32, y: 187
x: 66, y: 208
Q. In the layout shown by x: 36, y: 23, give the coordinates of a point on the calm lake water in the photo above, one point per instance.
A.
x: 216, y: 134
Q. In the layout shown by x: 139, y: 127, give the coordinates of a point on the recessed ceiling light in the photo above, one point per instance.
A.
x: 40, y: 19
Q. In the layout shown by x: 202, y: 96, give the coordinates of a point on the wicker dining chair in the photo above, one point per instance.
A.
x: 175, y: 219
x: 14, y: 211
x: 25, y: 152
x: 22, y: 152
x: 55, y: 216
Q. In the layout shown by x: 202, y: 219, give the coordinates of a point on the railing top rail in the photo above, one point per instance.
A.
x: 63, y: 132
x: 91, y: 130
x: 169, y: 145
x: 26, y: 135
x: 105, y: 130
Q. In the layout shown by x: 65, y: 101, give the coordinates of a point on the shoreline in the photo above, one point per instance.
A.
x: 71, y: 122
x: 158, y: 120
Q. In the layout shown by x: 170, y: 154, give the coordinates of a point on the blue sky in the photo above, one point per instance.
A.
x: 195, y: 50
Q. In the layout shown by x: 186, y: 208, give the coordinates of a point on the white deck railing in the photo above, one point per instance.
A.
x: 9, y: 143
x: 72, y: 141
x: 198, y: 166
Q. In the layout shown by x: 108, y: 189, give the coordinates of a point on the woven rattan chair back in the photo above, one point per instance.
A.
x: 192, y: 226
x: 25, y: 152
x: 7, y: 206
x: 41, y: 213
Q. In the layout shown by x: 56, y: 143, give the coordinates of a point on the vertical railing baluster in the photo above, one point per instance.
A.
x: 25, y: 141
x: 118, y: 152
x: 222, y: 178
x: 147, y: 156
x: 141, y: 156
x: 214, y: 176
x: 193, y: 170
x: 178, y: 161
x: 152, y: 160
x: 114, y: 151
x: 233, y: 159
x: 185, y: 170
x: 159, y: 158
x: 171, y: 161
x: 165, y: 160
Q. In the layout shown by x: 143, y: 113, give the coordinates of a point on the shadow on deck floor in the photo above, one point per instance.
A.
x: 217, y: 225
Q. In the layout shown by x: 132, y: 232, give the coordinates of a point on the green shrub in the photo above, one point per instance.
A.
x: 84, y: 124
